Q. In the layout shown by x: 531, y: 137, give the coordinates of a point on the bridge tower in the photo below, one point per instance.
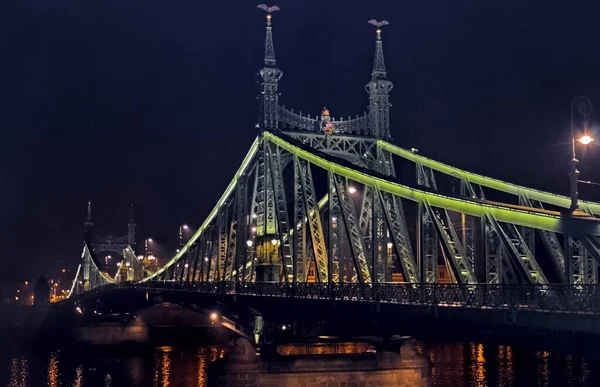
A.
x: 131, y: 226
x: 379, y: 89
x: 88, y: 225
x: 270, y: 75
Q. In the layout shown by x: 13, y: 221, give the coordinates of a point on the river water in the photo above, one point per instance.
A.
x: 456, y: 364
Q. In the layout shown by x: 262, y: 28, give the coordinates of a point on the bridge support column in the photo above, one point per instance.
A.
x: 267, y: 272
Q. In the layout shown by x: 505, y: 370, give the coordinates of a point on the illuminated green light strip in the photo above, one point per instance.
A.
x: 527, y: 218
x: 213, y: 213
x: 533, y: 194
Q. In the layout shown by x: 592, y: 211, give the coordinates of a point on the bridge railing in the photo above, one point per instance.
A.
x: 553, y: 298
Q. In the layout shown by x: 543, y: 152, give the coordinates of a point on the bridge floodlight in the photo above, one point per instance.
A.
x: 214, y: 316
x: 274, y: 242
x: 149, y: 239
x: 351, y: 189
x: 249, y: 243
x: 390, y: 245
x: 585, y: 139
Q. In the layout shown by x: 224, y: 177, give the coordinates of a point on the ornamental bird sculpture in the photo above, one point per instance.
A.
x: 270, y: 9
x: 378, y: 24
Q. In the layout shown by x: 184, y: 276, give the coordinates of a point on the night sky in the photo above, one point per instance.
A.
x: 154, y: 102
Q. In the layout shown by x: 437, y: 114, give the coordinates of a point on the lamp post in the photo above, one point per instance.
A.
x: 274, y: 242
x: 583, y: 106
x: 181, y: 228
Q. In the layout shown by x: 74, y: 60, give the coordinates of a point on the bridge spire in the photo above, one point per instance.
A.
x: 131, y: 227
x: 270, y: 74
x: 88, y: 219
x: 379, y: 89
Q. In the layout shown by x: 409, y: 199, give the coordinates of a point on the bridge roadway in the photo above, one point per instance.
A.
x: 517, y: 308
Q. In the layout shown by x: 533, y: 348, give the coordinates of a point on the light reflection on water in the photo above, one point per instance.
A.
x: 456, y: 364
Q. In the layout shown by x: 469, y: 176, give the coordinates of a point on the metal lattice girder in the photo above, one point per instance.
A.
x: 527, y: 233
x: 366, y: 209
x: 314, y: 218
x: 231, y: 247
x: 253, y: 220
x: 259, y: 196
x: 429, y: 245
x: 269, y: 215
x: 242, y: 220
x: 579, y: 262
x: 222, y: 243
x: 396, y: 222
x: 461, y: 265
x: 529, y: 217
x: 335, y: 229
x: 283, y: 225
x: 356, y: 149
x: 473, y: 178
x: 357, y: 241
x: 551, y: 243
x: 378, y: 239
x: 515, y: 245
x: 244, y: 168
x: 591, y: 244
x: 425, y: 177
x: 300, y: 267
x: 213, y: 267
x: 385, y: 162
x: 89, y: 276
x: 499, y: 268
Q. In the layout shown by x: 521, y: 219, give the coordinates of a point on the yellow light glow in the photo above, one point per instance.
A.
x: 585, y: 139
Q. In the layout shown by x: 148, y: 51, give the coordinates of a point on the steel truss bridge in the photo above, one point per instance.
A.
x: 325, y: 208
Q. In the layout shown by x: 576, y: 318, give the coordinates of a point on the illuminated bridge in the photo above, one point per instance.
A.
x: 328, y: 209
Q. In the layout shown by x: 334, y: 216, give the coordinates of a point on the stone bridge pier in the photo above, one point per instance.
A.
x: 243, y: 368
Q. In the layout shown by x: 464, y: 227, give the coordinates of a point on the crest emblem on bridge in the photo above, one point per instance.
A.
x: 319, y: 200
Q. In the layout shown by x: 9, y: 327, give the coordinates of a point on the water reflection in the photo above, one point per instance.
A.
x: 478, y: 365
x: 505, y: 365
x: 53, y: 373
x: 18, y: 372
x: 78, y: 381
x: 455, y: 364
x: 543, y: 369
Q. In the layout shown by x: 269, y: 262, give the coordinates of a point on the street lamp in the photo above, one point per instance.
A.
x: 274, y: 242
x: 583, y: 107
x: 249, y: 243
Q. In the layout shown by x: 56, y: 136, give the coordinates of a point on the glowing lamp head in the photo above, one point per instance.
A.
x: 351, y: 189
x: 390, y: 245
x: 214, y: 316
x: 585, y: 139
x: 274, y: 242
x: 378, y: 31
x: 249, y: 243
x: 149, y: 239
